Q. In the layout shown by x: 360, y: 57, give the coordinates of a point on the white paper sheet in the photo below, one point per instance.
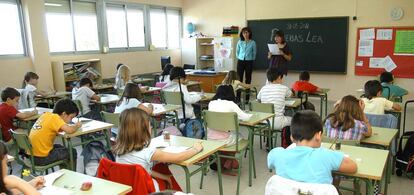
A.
x: 289, y: 102
x: 225, y: 52
x: 274, y: 49
x: 359, y: 63
x: 389, y: 64
x: 384, y: 34
x: 53, y: 190
x: 367, y: 34
x: 376, y: 62
x: 50, y: 178
x: 366, y: 48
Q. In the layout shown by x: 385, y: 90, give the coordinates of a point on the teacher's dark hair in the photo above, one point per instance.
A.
x: 248, y: 30
x: 280, y: 34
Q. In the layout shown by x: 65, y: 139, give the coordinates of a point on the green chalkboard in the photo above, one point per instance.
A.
x: 317, y: 44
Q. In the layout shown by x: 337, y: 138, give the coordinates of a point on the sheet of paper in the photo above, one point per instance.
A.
x: 376, y: 62
x: 365, y: 48
x: 175, y: 149
x: 359, y: 63
x: 289, y: 102
x: 225, y: 52
x: 384, y: 34
x: 389, y: 64
x: 367, y: 34
x: 274, y: 49
x: 50, y: 178
x: 53, y: 190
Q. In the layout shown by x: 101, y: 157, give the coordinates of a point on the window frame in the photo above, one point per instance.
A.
x: 125, y: 7
x: 22, y: 31
x: 98, y: 26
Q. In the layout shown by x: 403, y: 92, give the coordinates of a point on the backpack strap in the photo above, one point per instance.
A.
x: 181, y: 97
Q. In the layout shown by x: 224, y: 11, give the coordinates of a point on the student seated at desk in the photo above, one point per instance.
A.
x: 308, y: 162
x: 123, y: 76
x: 10, y: 184
x: 304, y: 85
x: 44, y: 131
x: 387, y: 80
x: 177, y: 74
x: 10, y: 97
x: 130, y: 99
x: 233, y: 79
x: 165, y: 75
x: 275, y: 92
x: 131, y: 147
x: 348, y: 122
x: 374, y: 102
x: 30, y: 91
x: 84, y: 94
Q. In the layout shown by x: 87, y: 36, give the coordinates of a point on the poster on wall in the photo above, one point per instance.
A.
x: 404, y: 42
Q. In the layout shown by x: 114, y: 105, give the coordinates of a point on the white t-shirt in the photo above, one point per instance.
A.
x: 142, y: 158
x: 30, y: 87
x: 84, y: 95
x: 189, y: 98
x: 275, y: 94
x: 377, y: 105
x: 127, y: 103
x: 27, y: 99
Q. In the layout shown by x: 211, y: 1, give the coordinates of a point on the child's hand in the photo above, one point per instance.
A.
x: 198, y: 147
x: 362, y: 104
x: 78, y: 125
x: 150, y: 106
x: 38, y: 182
x: 35, y: 111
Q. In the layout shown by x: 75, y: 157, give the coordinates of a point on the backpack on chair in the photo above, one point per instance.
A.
x: 92, y: 153
x: 286, y: 141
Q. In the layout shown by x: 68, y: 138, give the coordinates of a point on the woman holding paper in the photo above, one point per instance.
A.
x: 246, y: 54
x: 280, y: 57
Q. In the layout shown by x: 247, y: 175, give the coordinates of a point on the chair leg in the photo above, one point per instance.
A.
x: 202, y: 176
x: 260, y: 135
x: 239, y: 173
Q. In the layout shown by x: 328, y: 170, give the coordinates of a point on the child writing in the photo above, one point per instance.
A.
x: 374, y: 103
x: 387, y: 80
x: 123, y: 76
x: 132, y: 147
x: 177, y: 74
x: 348, y: 122
x: 308, y: 162
x: 10, y: 97
x: 130, y: 99
x: 275, y: 92
x: 10, y: 184
x: 44, y: 131
x: 304, y: 85
x: 30, y: 91
x: 233, y: 79
x: 84, y: 94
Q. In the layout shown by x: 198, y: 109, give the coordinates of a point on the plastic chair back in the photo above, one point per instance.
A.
x: 344, y: 142
x: 170, y: 97
x: 221, y: 121
x: 79, y: 105
x: 277, y: 185
x: 262, y: 107
x: 112, y: 118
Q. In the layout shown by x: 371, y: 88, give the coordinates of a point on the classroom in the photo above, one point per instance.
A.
x: 150, y: 83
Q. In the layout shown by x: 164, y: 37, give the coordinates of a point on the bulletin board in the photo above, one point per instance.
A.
x: 385, y: 48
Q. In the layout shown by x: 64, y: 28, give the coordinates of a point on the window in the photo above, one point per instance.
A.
x: 125, y: 26
x: 71, y: 26
x: 11, y: 33
x: 165, y: 27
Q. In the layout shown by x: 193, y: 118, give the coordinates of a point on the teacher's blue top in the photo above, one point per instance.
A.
x: 246, y: 50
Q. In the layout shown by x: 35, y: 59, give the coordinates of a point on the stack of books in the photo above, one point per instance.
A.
x: 231, y: 31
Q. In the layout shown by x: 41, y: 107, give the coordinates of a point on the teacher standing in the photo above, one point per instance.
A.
x: 246, y: 54
x: 280, y: 60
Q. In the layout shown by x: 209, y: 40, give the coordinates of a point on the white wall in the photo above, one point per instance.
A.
x: 210, y: 16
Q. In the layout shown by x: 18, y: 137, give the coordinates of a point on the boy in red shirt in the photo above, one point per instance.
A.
x: 304, y: 85
x: 10, y: 97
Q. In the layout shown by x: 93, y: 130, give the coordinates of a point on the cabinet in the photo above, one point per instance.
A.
x: 198, y: 51
x: 66, y: 74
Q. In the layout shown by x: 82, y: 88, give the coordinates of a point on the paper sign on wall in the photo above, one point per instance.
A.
x: 359, y: 63
x: 389, y: 64
x: 376, y: 62
x: 365, y: 48
x: 367, y: 34
x: 384, y: 34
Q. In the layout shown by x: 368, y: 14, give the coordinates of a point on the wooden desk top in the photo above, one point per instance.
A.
x: 40, y: 111
x: 371, y: 162
x: 380, y: 136
x: 89, y: 126
x: 209, y: 147
x: 99, y: 186
x: 107, y: 99
x: 257, y: 118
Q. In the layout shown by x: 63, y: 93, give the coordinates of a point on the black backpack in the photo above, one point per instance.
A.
x: 405, y: 154
x: 92, y: 153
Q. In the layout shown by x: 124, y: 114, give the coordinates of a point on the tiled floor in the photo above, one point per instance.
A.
x: 399, y: 185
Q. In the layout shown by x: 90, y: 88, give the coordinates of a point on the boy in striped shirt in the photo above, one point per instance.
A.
x: 275, y: 92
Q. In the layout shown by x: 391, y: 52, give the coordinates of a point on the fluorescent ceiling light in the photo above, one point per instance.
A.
x: 53, y: 4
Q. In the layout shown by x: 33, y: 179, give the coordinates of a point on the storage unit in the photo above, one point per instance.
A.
x: 198, y: 51
x: 66, y: 74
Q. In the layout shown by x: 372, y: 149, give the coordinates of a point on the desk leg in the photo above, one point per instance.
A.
x: 326, y: 104
x: 187, y: 179
x: 70, y: 148
x: 369, y: 187
x: 251, y: 156
x: 154, y: 126
x: 177, y: 120
x: 219, y: 173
